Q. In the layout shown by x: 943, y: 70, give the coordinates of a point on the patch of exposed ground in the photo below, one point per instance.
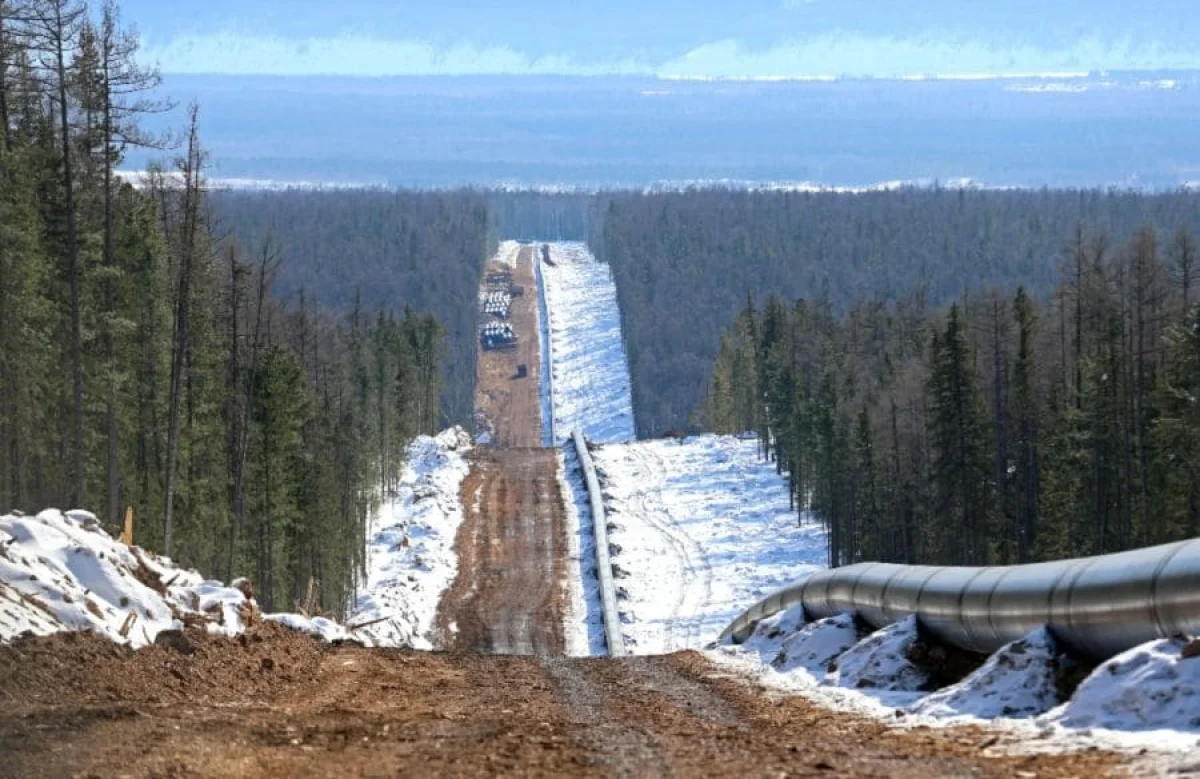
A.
x: 509, y: 596
x: 282, y: 704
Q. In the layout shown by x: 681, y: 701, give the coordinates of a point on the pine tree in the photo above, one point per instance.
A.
x: 960, y: 476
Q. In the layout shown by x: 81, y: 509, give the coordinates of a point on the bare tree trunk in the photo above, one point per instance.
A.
x: 60, y: 29
x: 187, y: 249
x: 5, y: 132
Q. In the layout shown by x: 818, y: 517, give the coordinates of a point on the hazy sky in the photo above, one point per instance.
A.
x: 668, y: 37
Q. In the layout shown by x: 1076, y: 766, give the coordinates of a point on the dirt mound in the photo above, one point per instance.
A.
x: 191, y: 666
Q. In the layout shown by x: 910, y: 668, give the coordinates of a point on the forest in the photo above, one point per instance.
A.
x: 685, y: 262
x: 151, y: 359
x: 385, y: 250
x: 1008, y: 426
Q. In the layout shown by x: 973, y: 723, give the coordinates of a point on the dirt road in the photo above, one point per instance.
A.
x: 277, y: 703
x: 508, y: 405
x: 509, y: 595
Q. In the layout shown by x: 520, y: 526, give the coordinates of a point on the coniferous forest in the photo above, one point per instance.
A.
x: 145, y: 359
x: 684, y: 262
x: 1009, y: 426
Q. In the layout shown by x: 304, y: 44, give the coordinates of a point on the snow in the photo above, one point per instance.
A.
x: 410, y: 555
x: 1150, y: 687
x: 815, y: 646
x: 584, y: 619
x: 591, y: 389
x: 880, y: 661
x: 61, y: 571
x: 699, y: 528
x: 506, y: 253
x: 316, y: 626
x: 1018, y: 680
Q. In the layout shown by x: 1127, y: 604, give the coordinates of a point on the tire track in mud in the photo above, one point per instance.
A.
x: 509, y: 596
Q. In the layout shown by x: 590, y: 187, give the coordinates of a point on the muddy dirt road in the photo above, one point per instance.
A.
x: 509, y: 406
x: 509, y: 595
x: 280, y: 704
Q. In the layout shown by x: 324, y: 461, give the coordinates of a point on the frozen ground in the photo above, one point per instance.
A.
x: 1143, y: 700
x: 410, y: 554
x: 63, y: 572
x: 591, y: 390
x: 699, y: 529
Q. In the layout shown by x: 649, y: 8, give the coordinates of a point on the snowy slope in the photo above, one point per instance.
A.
x: 591, y: 390
x: 700, y: 527
x: 63, y: 572
x: 410, y: 554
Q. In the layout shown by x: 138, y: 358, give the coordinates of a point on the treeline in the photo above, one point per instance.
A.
x: 388, y: 249
x: 531, y: 215
x: 144, y: 361
x: 684, y: 262
x: 1007, y: 428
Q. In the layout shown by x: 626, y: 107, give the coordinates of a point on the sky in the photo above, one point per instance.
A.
x: 687, y: 38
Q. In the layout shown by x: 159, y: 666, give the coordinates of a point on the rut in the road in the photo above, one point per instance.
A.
x: 509, y: 596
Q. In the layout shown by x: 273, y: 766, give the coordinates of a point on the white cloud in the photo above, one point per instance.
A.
x: 358, y: 55
x: 838, y: 53
x: 884, y: 56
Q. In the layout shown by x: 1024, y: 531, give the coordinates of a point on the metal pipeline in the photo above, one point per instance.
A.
x: 1097, y: 606
x: 608, y: 594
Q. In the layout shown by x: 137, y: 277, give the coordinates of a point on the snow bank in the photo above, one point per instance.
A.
x: 815, y: 646
x: 1150, y: 687
x: 591, y: 389
x: 410, y: 556
x: 698, y: 528
x: 880, y: 661
x: 63, y: 572
x: 1018, y: 680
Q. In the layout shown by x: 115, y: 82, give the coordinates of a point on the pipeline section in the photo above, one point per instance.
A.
x: 608, y: 595
x: 546, y: 390
x: 1097, y: 606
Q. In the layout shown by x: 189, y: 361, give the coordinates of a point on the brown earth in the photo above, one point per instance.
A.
x: 510, y: 405
x: 509, y: 594
x: 280, y: 704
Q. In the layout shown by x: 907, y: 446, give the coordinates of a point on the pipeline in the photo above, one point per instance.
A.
x: 1096, y: 606
x: 608, y: 596
x: 546, y: 369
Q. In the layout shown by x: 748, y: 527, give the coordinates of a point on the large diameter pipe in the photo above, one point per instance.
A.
x: 1097, y: 606
x: 613, y: 638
